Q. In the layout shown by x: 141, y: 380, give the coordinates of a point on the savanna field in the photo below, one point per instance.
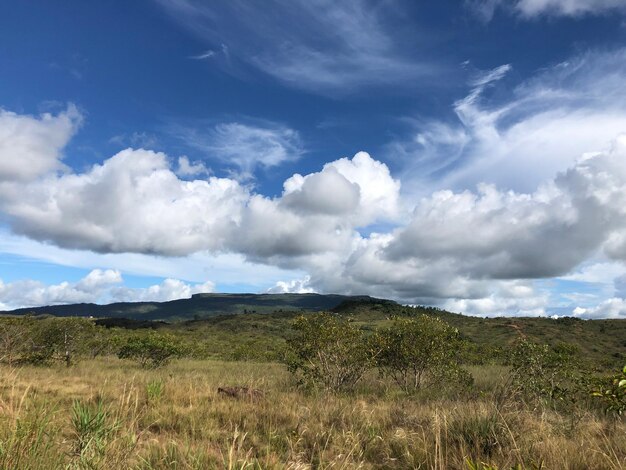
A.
x: 334, y: 390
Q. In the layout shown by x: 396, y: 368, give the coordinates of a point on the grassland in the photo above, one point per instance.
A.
x: 174, y: 418
x: 107, y: 413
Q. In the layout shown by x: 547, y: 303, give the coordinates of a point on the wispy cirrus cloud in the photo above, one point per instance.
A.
x: 321, y: 45
x: 525, y: 134
x: 534, y: 8
x: 243, y: 146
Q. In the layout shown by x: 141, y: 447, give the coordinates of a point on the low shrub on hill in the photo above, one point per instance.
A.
x: 327, y: 350
x: 151, y: 350
x: 419, y: 353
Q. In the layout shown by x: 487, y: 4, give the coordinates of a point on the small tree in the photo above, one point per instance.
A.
x: 421, y: 353
x: 328, y: 350
x: 612, y: 393
x: 542, y: 374
x: 151, y: 350
x: 61, y: 339
x: 15, y: 339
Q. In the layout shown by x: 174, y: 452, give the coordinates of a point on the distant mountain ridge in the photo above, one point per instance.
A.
x: 201, y: 306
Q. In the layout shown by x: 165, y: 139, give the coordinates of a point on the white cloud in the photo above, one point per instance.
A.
x: 205, y: 55
x: 465, y: 249
x: 135, y: 139
x: 99, y: 286
x: 31, y: 146
x: 533, y: 8
x: 541, y: 127
x: 132, y: 202
x: 568, y: 7
x: 507, y: 235
x: 362, y: 188
x: 230, y: 268
x: 169, y: 289
x: 188, y: 168
x: 295, y: 286
x: 318, y: 45
x: 29, y: 293
x: 244, y: 146
x: 515, y: 298
x: 602, y: 272
x: 611, y: 308
x: 98, y: 279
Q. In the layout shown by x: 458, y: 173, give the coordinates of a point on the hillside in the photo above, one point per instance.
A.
x: 261, y: 336
x: 255, y: 326
x: 199, y: 306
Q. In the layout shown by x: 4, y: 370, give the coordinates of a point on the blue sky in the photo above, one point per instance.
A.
x: 466, y: 154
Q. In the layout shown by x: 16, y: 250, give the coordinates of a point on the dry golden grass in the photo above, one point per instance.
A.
x: 173, y: 418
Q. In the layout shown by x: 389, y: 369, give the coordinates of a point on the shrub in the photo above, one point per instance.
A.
x: 543, y: 375
x: 327, y: 350
x: 59, y: 339
x: 151, y: 350
x: 420, y: 353
x: 612, y: 393
x: 15, y: 339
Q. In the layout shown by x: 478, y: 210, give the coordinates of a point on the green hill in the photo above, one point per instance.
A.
x: 262, y: 335
x: 198, y: 306
x: 255, y: 326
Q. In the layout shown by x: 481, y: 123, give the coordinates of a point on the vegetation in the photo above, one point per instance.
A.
x: 152, y: 350
x: 328, y: 350
x: 381, y: 389
x: 612, y: 392
x: 419, y: 353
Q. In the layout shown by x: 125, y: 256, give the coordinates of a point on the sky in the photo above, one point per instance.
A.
x: 465, y: 154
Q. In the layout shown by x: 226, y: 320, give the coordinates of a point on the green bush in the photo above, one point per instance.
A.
x: 420, y: 353
x: 51, y: 339
x: 151, y: 350
x: 612, y: 393
x: 542, y: 375
x: 327, y: 350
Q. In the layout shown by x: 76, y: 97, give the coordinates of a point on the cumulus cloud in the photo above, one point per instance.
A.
x: 98, y: 279
x: 598, y: 272
x: 133, y: 202
x: 611, y: 308
x: 506, y: 235
x: 512, y: 298
x: 188, y: 168
x: 471, y: 250
x: 295, y: 286
x: 99, y: 286
x: 30, y: 146
x: 169, y: 289
x: 363, y: 189
x: 29, y: 293
x: 478, y: 251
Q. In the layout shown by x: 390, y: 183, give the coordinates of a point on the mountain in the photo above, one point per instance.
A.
x: 201, y: 306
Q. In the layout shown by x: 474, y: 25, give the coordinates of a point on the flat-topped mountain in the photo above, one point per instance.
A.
x: 201, y: 305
